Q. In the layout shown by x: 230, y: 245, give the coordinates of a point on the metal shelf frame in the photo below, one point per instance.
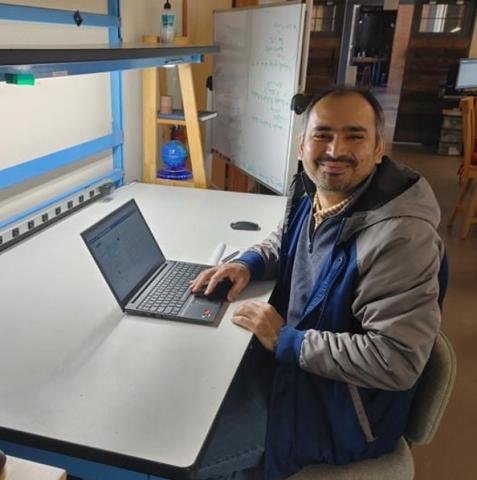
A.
x: 12, y: 176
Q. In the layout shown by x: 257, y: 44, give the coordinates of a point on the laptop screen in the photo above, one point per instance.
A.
x: 124, y: 249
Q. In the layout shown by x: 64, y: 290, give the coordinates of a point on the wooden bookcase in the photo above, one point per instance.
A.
x: 151, y: 80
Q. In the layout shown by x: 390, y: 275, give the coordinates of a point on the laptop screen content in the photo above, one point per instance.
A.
x: 124, y: 249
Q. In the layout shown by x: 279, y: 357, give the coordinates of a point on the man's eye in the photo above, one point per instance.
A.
x: 322, y: 136
x: 355, y: 137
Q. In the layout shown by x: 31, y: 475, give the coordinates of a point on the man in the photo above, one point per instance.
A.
x: 355, y: 311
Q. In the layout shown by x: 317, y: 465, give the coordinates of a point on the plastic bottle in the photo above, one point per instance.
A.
x: 168, y: 24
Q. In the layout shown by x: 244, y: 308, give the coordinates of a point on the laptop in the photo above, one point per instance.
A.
x: 142, y: 280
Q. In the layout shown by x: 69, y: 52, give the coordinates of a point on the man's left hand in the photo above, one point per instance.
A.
x: 262, y: 319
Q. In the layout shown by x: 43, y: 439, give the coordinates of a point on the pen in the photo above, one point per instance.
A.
x: 229, y: 257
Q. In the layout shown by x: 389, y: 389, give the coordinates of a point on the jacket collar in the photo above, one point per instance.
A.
x: 392, y: 190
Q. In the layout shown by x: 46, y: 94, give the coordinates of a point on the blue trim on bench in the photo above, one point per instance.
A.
x: 12, y: 176
x: 51, y: 15
x: 114, y: 176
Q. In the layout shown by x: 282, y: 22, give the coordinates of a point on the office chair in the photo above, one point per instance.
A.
x: 431, y: 399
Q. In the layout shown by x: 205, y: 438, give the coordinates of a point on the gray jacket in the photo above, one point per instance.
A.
x: 399, y: 254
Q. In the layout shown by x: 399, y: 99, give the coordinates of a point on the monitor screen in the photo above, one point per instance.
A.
x: 467, y: 76
x: 124, y: 249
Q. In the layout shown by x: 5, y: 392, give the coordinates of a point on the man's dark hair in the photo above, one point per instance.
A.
x: 345, y: 91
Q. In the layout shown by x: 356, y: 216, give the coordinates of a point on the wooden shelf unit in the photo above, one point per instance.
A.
x: 150, y: 89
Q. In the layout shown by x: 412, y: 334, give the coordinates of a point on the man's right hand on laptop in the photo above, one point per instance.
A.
x: 237, y: 273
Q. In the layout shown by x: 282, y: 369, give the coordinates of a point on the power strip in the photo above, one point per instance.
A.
x: 40, y: 220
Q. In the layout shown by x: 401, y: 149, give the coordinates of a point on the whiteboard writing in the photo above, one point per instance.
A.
x: 255, y: 78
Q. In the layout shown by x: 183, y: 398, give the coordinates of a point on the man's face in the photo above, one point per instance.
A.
x: 339, y: 148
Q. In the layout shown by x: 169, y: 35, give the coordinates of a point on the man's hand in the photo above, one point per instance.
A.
x: 262, y: 319
x: 237, y: 273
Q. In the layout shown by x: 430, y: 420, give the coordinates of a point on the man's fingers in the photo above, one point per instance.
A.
x: 244, y: 322
x: 262, y: 320
x: 237, y: 273
x: 249, y: 308
x: 214, y: 280
x: 237, y: 287
x: 202, y: 278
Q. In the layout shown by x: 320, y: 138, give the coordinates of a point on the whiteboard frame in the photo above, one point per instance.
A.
x: 29, y: 169
x: 300, y: 84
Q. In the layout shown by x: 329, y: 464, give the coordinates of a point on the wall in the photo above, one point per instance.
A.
x: 473, y: 44
x: 323, y: 58
x: 428, y: 59
x: 400, y: 43
x: 200, y: 30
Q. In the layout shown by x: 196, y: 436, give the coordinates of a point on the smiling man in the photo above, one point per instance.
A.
x: 361, y: 273
x: 342, y: 144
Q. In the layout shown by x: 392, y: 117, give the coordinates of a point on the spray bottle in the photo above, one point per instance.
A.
x: 168, y: 24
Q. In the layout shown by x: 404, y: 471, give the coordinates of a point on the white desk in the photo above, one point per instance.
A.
x: 121, y: 390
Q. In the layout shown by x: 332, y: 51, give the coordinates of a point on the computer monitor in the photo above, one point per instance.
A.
x: 467, y: 76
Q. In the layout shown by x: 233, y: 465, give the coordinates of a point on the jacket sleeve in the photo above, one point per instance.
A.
x: 396, y: 304
x: 262, y: 259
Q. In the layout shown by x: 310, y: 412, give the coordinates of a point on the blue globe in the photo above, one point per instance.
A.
x: 174, y: 154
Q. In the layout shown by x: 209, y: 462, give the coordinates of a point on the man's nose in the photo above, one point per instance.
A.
x: 336, y: 147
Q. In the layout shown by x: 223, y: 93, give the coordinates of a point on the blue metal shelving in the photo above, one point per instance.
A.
x: 16, y: 63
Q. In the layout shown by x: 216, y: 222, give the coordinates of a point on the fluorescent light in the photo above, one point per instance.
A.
x: 456, y: 29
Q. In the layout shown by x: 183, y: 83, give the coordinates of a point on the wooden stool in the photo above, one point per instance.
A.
x: 19, y: 469
x: 467, y: 200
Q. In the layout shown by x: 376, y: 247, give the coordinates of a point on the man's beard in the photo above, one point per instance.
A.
x: 328, y: 181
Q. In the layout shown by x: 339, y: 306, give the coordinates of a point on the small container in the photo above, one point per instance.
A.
x: 178, y: 133
x: 165, y: 104
x: 168, y: 24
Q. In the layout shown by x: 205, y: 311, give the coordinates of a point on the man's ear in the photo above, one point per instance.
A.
x: 301, y: 139
x: 379, y: 150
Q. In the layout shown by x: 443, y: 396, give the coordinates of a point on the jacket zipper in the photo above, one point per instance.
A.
x: 315, y: 231
x: 361, y: 413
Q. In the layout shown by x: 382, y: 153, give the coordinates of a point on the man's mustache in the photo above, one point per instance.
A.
x: 341, y: 159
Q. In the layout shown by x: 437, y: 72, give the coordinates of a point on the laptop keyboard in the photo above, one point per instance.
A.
x: 171, y: 293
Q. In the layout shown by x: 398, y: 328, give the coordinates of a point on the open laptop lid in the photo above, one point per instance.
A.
x: 125, y: 250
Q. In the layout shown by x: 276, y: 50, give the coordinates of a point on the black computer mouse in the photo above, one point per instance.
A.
x: 218, y: 293
x: 245, y: 225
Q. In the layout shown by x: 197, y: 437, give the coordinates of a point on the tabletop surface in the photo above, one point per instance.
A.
x: 77, y: 371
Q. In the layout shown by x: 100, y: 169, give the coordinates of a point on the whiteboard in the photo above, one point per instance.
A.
x: 256, y: 74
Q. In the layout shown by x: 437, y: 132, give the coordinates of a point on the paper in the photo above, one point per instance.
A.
x: 217, y: 254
